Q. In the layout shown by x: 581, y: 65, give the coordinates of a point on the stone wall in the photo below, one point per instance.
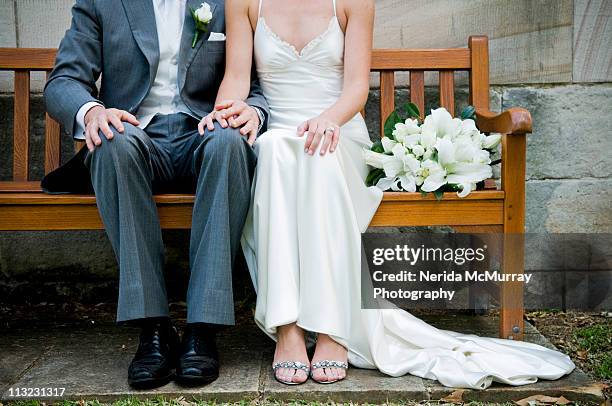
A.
x: 550, y: 56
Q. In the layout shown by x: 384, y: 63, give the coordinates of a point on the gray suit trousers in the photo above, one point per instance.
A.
x: 129, y: 168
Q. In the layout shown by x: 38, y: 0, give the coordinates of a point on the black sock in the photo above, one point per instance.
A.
x: 151, y: 322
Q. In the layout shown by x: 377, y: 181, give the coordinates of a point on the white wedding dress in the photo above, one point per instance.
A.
x: 302, y: 237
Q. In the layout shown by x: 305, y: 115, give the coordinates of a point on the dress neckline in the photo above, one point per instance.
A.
x: 310, y: 44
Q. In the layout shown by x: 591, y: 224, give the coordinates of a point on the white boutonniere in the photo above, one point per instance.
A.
x: 202, y: 16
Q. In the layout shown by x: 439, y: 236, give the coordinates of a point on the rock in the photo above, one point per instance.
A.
x: 569, y: 206
x: 571, y: 137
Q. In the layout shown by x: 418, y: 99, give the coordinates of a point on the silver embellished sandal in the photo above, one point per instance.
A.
x: 290, y: 365
x: 327, y: 364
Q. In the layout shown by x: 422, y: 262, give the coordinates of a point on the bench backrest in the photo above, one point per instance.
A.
x: 473, y: 59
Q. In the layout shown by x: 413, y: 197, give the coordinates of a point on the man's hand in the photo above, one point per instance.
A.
x: 98, y: 119
x: 233, y: 113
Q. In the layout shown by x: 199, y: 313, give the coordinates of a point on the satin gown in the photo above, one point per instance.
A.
x: 302, y: 236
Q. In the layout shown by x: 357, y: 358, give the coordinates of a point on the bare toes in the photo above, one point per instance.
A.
x: 319, y: 375
x: 300, y: 376
x: 283, y: 374
x: 331, y: 374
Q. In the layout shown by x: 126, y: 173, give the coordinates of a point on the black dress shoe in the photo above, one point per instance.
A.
x: 199, y: 360
x: 155, y: 358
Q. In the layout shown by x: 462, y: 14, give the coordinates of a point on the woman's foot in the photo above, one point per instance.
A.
x: 291, y: 347
x: 328, y: 350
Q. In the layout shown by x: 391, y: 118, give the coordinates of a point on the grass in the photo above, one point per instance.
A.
x: 595, y: 338
x: 596, y: 341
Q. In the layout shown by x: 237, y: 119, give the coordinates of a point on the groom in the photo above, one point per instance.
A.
x: 141, y: 135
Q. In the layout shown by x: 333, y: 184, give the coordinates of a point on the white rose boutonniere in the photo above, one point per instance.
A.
x: 202, y: 16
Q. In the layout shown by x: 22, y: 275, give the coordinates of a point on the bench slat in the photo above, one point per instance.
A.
x: 447, y: 90
x: 52, y: 143
x: 11, y: 187
x: 387, y: 97
x: 38, y: 211
x: 21, y: 130
x: 479, y: 74
x: 417, y: 90
x: 10, y: 198
x: 27, y: 58
x: 426, y: 59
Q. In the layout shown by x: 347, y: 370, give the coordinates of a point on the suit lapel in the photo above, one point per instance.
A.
x: 141, y: 17
x: 187, y: 53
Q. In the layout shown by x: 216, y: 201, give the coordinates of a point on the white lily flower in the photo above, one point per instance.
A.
x: 466, y: 175
x: 433, y: 174
x: 443, y: 123
x: 410, y: 140
x: 491, y: 141
x: 446, y: 151
x: 388, y: 144
x: 448, y: 170
x: 374, y: 159
x: 411, y: 164
x: 468, y: 128
x: 412, y: 126
x: 478, y: 139
x: 466, y: 189
x: 418, y: 150
x: 387, y: 183
x: 393, y: 166
x: 466, y: 150
x: 399, y: 151
x: 408, y: 183
x: 405, y: 129
x: 428, y: 137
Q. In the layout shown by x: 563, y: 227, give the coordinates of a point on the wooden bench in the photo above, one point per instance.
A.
x: 23, y: 206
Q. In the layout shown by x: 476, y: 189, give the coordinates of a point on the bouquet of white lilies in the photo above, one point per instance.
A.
x: 440, y: 154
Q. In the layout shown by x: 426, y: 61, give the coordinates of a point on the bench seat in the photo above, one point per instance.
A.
x: 41, y: 211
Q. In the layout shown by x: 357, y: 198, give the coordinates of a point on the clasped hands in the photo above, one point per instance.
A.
x: 321, y: 131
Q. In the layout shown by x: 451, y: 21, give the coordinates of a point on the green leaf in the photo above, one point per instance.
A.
x: 412, y: 110
x: 393, y: 119
x: 439, y: 194
x: 374, y: 176
x: 468, y: 113
x: 378, y: 147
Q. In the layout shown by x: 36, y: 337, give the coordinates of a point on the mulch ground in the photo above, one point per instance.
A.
x: 585, y: 337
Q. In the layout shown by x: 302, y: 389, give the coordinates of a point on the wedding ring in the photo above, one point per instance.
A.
x: 332, y: 129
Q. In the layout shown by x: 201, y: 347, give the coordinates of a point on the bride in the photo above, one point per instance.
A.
x: 310, y: 204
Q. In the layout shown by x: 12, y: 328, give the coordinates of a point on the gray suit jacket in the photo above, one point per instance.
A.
x: 117, y: 39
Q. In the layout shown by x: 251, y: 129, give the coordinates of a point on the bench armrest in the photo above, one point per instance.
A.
x: 515, y: 120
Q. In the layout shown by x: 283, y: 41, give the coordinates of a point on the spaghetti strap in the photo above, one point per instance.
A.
x: 335, y: 14
x: 259, y: 10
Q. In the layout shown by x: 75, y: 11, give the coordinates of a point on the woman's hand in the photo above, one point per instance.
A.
x: 233, y: 113
x: 209, y: 121
x: 321, y: 131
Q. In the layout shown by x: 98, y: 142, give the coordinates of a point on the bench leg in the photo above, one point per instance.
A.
x: 513, y: 256
x: 511, y: 293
